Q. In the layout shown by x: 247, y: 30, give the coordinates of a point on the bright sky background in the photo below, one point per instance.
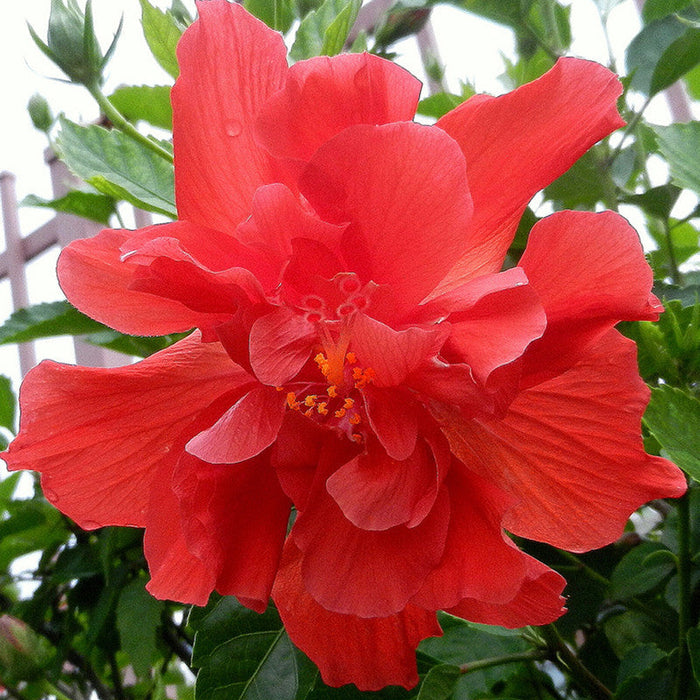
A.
x: 470, y: 48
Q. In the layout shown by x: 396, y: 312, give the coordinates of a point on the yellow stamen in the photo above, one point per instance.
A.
x: 310, y: 400
x: 321, y: 408
x: 355, y: 419
x: 332, y: 391
x: 340, y: 413
x: 350, y: 357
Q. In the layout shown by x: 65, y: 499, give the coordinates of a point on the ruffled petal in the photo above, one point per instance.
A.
x: 376, y: 492
x: 325, y: 95
x: 280, y: 344
x: 497, y: 327
x: 98, y: 282
x: 361, y: 572
x: 589, y: 272
x: 235, y: 521
x: 401, y: 233
x: 244, y: 431
x: 392, y: 354
x: 570, y: 451
x: 230, y: 64
x: 176, y: 573
x: 479, y: 561
x: 538, y: 602
x: 371, y: 653
x: 99, y: 436
x: 518, y: 143
x: 393, y: 416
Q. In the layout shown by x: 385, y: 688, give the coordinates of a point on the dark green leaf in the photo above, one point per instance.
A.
x: 694, y: 651
x: 89, y: 205
x: 440, y: 683
x: 118, y: 166
x: 7, y: 404
x: 138, y: 619
x: 45, y: 321
x: 636, y: 574
x: 630, y: 629
x: 584, y: 184
x: 278, y: 14
x: 507, y: 12
x: 656, y: 201
x: 324, y: 31
x: 242, y: 655
x: 680, y: 144
x: 688, y: 295
x: 138, y: 346
x: 680, y: 57
x: 148, y: 103
x: 162, y: 31
x: 673, y: 417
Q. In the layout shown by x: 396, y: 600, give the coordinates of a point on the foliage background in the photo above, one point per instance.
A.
x: 79, y: 624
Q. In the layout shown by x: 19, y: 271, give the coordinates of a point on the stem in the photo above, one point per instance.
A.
x: 684, y: 557
x: 535, y: 655
x: 562, y: 656
x: 50, y: 689
x: 120, y: 122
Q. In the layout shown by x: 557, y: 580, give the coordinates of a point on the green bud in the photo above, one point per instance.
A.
x: 40, y: 113
x: 71, y: 42
x: 23, y: 653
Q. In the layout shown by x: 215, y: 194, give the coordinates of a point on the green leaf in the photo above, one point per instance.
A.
x: 694, y: 651
x: 643, y: 673
x: 679, y: 58
x: 679, y: 144
x: 118, y: 166
x: 278, y: 14
x: 138, y: 346
x: 656, y: 201
x: 162, y: 31
x: 323, y: 31
x: 637, y: 574
x: 46, y: 321
x: 242, y: 655
x: 440, y: 683
x: 438, y: 105
x: 649, y: 52
x: 89, y: 205
x: 148, y: 103
x: 138, y: 619
x: 7, y: 404
x: 584, y: 184
x: 658, y: 9
x: 673, y: 418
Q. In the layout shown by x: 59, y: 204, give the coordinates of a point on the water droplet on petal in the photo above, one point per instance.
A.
x: 90, y: 525
x: 233, y: 127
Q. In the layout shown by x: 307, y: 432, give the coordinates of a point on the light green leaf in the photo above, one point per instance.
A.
x: 162, y: 31
x: 148, y: 103
x: 89, y: 205
x: 323, y: 31
x: 278, y: 14
x: 658, y: 9
x: 673, y: 418
x: 138, y: 619
x: 440, y: 683
x: 680, y: 144
x: 118, y: 166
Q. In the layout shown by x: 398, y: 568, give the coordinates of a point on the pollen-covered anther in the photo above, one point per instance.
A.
x: 310, y: 400
x: 340, y: 413
x: 292, y: 401
x: 355, y: 419
x: 351, y: 358
x: 309, y: 412
x: 363, y: 377
x: 357, y: 437
x: 349, y: 403
x: 321, y: 407
x: 332, y: 391
x: 323, y: 364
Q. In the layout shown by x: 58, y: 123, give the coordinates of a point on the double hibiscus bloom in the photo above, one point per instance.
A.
x: 360, y: 361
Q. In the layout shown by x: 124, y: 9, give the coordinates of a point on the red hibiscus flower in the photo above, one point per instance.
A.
x: 360, y: 359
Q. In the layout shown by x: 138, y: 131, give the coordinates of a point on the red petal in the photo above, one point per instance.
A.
x: 230, y: 64
x: 235, y: 521
x: 393, y: 416
x: 538, y: 602
x: 280, y: 344
x: 403, y: 188
x: 371, y: 653
x: 499, y: 325
x: 97, y: 281
x: 99, y: 436
x: 393, y: 354
x: 589, y: 272
x: 245, y: 430
x: 376, y: 492
x: 570, y: 450
x: 366, y: 573
x: 518, y: 143
x: 176, y: 574
x: 325, y: 95
x: 479, y: 561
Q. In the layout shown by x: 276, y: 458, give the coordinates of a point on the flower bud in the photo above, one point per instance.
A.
x: 72, y: 44
x: 23, y: 653
x: 40, y: 113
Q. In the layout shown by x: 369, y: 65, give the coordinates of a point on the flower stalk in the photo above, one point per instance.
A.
x: 684, y: 564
